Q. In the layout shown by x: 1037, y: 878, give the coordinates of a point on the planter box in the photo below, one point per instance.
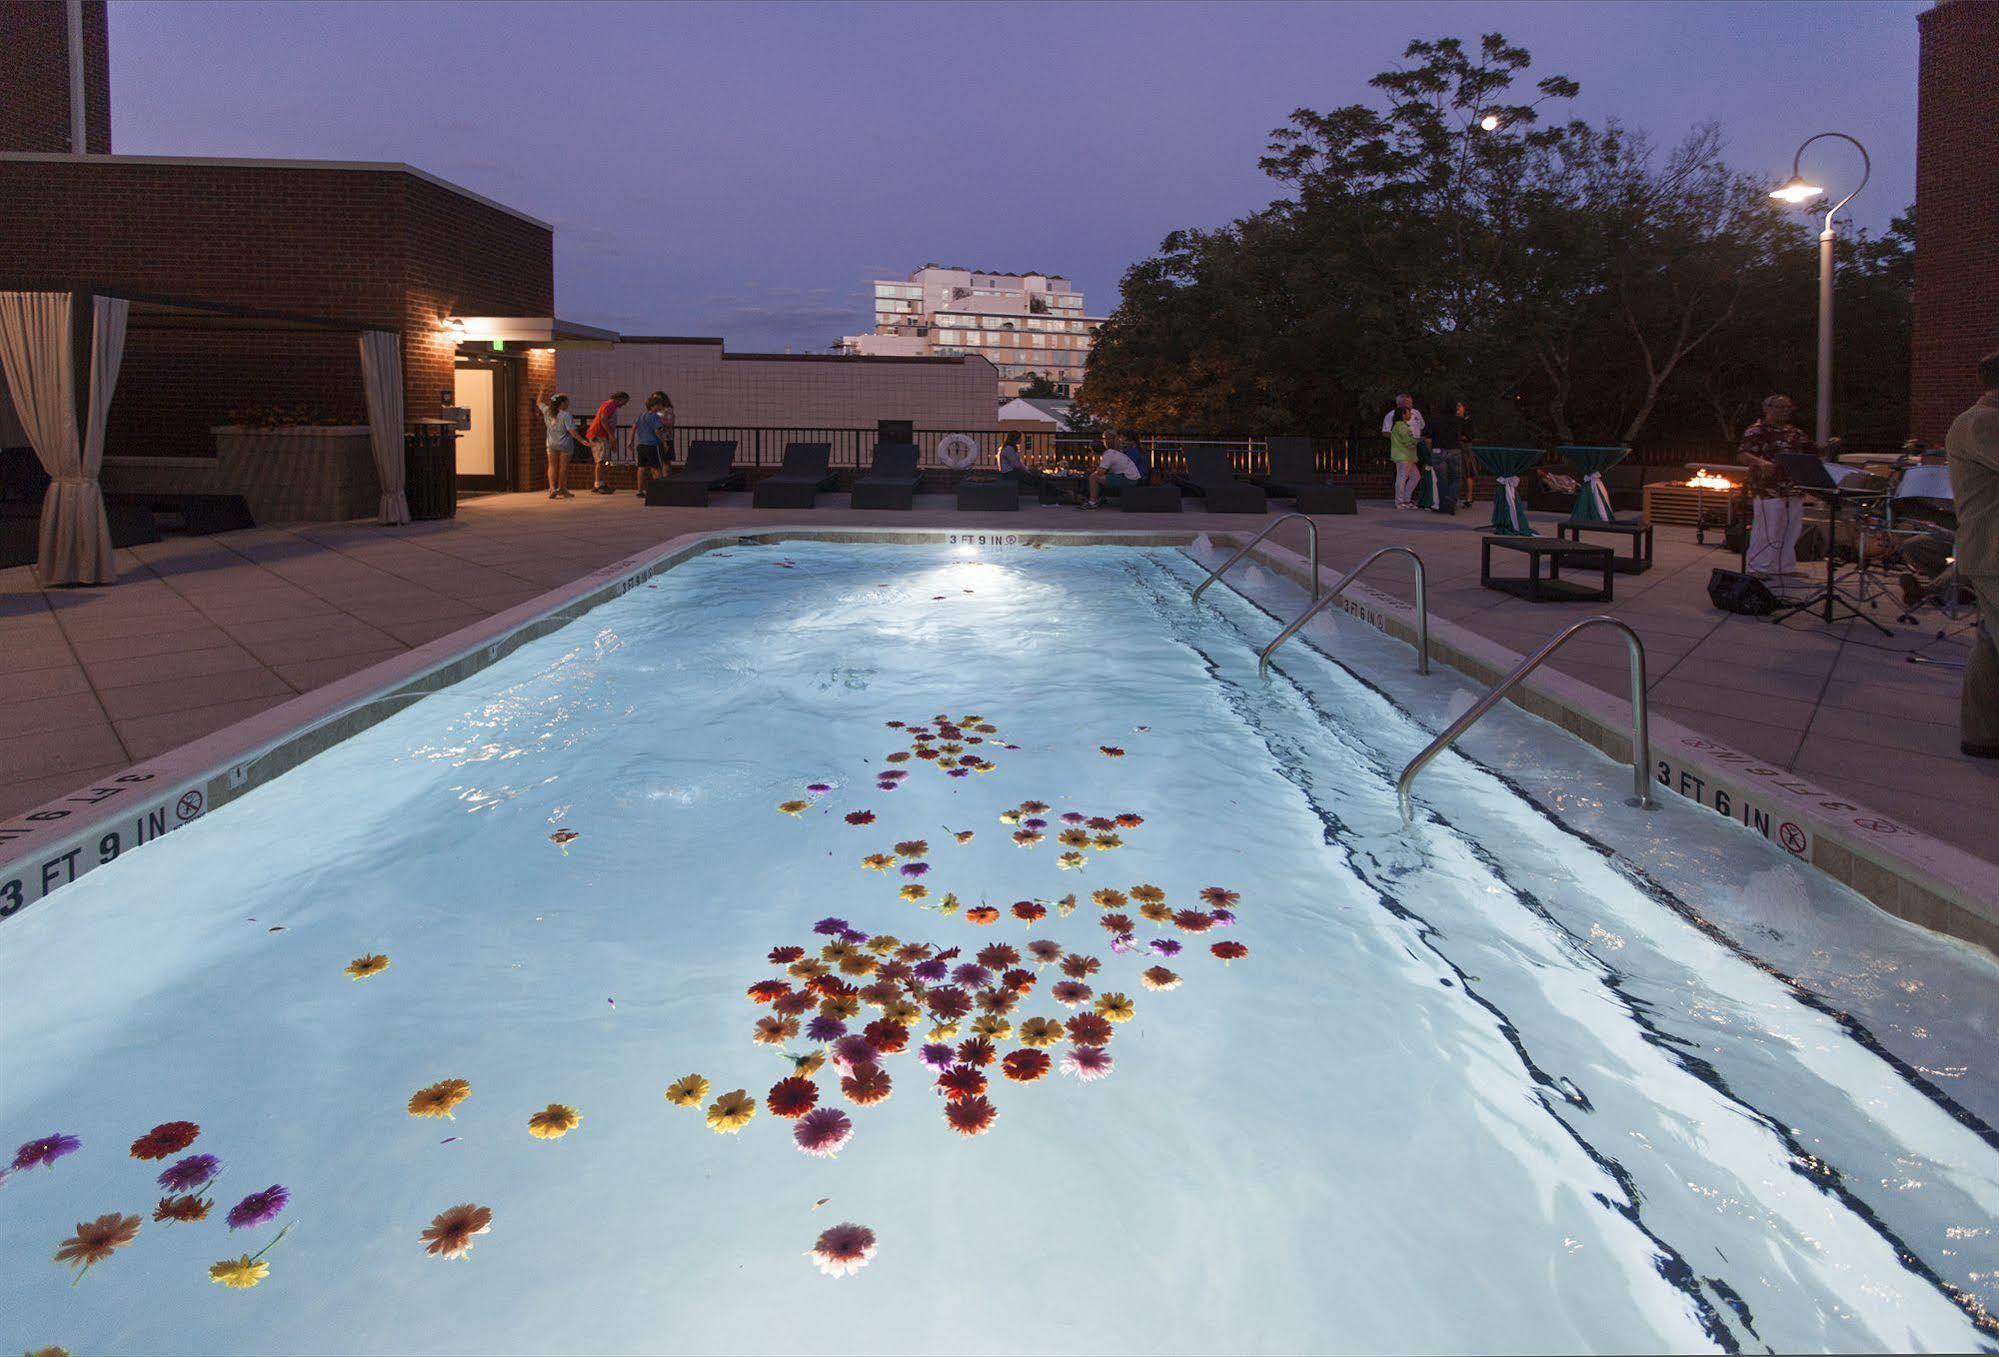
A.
x: 320, y: 474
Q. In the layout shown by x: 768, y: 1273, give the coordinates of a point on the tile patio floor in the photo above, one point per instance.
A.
x: 202, y: 632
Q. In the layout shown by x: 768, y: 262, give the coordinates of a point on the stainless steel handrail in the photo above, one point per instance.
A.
x: 1422, y: 610
x: 1268, y: 528
x: 1641, y: 747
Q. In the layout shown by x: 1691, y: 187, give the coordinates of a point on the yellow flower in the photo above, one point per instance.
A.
x: 947, y: 906
x: 1040, y: 1032
x: 944, y: 1031
x: 240, y: 1273
x: 859, y: 963
x: 1108, y: 898
x: 992, y: 1028
x: 1073, y: 838
x: 878, y: 862
x: 361, y: 967
x: 1066, y: 906
x: 1148, y: 895
x: 439, y: 1098
x: 809, y: 1064
x: 774, y: 1031
x: 963, y: 836
x: 883, y: 943
x: 1103, y: 843
x: 841, y: 1006
x: 915, y: 891
x: 1009, y: 817
x: 688, y: 1092
x: 731, y: 1112
x: 553, y: 1122
x: 833, y: 953
x: 806, y: 967
x: 1115, y: 1007
x: 793, y: 807
x: 1070, y: 862
x: 903, y: 1013
x: 1156, y: 912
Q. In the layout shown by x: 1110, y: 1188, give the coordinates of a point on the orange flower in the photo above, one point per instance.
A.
x: 554, y: 1122
x: 1230, y: 951
x: 1148, y: 895
x: 439, y: 1098
x: 1024, y: 1066
x: 1218, y: 898
x: 775, y: 1031
x: 193, y: 1206
x: 764, y: 991
x: 96, y: 1240
x: 1109, y: 898
x: 451, y: 1232
x: 867, y: 1085
x: 970, y: 1116
x: 982, y: 915
x: 1029, y: 912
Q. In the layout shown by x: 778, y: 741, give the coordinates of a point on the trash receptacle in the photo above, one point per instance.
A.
x: 430, y: 469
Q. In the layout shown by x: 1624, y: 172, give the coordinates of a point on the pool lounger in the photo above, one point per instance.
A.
x: 710, y: 466
x: 1208, y: 476
x: 891, y: 479
x: 798, y: 482
x: 1295, y: 476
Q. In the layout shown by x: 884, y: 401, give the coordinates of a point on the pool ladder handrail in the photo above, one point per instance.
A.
x: 1243, y: 551
x: 1641, y: 748
x: 1422, y: 610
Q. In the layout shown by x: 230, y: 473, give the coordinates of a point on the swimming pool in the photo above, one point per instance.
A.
x: 1481, y: 1086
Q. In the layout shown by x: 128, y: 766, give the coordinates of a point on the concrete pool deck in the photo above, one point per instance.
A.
x: 201, y: 633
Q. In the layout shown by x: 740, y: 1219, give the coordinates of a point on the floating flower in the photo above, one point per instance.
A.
x: 1148, y: 895
x: 962, y: 1081
x: 913, y: 848
x: 1071, y: 862
x: 1193, y: 921
x: 553, y: 1122
x: 821, y: 1028
x: 914, y: 892
x: 931, y: 970
x: 1114, y: 1008
x: 792, y: 1097
x: 860, y: 817
x: 1115, y: 923
x: 1087, y: 1063
x: 451, y: 1232
x: 913, y: 952
x: 1066, y: 905
x: 992, y: 1027
x: 867, y: 1085
x: 944, y: 1031
x: 169, y: 1137
x: 1110, y: 751
x: 1104, y: 843
x: 1029, y: 911
x: 239, y: 1273
x: 850, y: 1051
x: 687, y: 1092
x: 1026, y: 838
x: 1073, y: 817
x: 903, y: 1013
x: 780, y: 956
x: 1230, y: 951
x: 806, y: 968
x: 887, y: 1037
x: 997, y: 956
x: 1128, y: 820
x: 822, y: 1132
x: 1024, y: 1066
x: 1019, y: 980
x: 881, y: 944
x: 878, y: 862
x: 1109, y: 898
x: 46, y: 1151
x: 1166, y: 946
x: 913, y: 869
x: 807, y: 1065
x: 843, y: 1250
x: 197, y: 1170
x: 190, y: 1207
x: 1088, y: 1029
x: 795, y: 1005
x: 1156, y: 913
x: 839, y: 1008
x: 1070, y: 993
x: 998, y: 1002
x: 96, y: 1240
x: 1040, y: 1032
x: 565, y: 837
x: 829, y: 926
x: 1158, y: 978
x: 1100, y: 823
x: 793, y: 807
x: 731, y: 1112
x: 1046, y: 951
x: 766, y: 990
x: 1218, y: 896
x: 1034, y: 807
x: 1037, y: 825
x: 971, y: 975
x: 963, y: 836
x: 774, y: 1031
x: 1077, y: 966
x: 440, y: 1098
x: 982, y: 915
x: 975, y: 1051
x: 970, y: 1116
x: 259, y: 1208
x: 1073, y: 838
x: 1009, y: 817
x: 361, y: 967
x: 1223, y: 917
x: 858, y: 963
x: 936, y: 1055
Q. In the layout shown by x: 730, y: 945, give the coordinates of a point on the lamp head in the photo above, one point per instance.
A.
x: 1490, y: 122
x: 1796, y: 191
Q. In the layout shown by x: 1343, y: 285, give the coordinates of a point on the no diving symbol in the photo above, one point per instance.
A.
x: 1791, y: 837
x: 189, y: 806
x: 1878, y: 826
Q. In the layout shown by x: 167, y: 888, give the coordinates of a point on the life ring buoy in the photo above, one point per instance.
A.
x: 957, y: 451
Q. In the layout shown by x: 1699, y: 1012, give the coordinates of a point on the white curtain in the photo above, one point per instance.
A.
x: 382, y: 374
x: 35, y: 350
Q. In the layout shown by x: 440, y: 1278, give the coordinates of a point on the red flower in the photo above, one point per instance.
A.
x: 1230, y: 951
x: 1101, y: 823
x: 1194, y: 921
x: 975, y: 1051
x: 1111, y: 751
x: 948, y: 1001
x: 888, y: 1037
x: 784, y: 956
x: 1079, y: 967
x: 1087, y: 1029
x: 766, y: 990
x: 1115, y: 923
x: 168, y: 1138
x: 1018, y: 980
x: 860, y: 817
x: 1024, y: 1066
x: 899, y: 756
x: 1029, y: 911
x: 970, y: 1116
x: 792, y: 1097
x: 793, y: 1004
x: 867, y: 1085
x: 998, y: 956
x: 961, y: 1081
x: 1130, y: 821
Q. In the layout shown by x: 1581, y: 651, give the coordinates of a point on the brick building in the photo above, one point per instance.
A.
x: 55, y: 76
x: 1957, y: 210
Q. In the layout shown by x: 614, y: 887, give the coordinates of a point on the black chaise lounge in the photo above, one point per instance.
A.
x: 1294, y: 475
x: 891, y: 479
x: 798, y: 482
x: 1208, y: 476
x: 710, y: 466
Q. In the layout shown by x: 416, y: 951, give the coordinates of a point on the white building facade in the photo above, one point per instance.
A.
x: 1025, y: 324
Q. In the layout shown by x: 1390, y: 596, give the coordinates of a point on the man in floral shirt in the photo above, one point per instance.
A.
x: 1776, y: 505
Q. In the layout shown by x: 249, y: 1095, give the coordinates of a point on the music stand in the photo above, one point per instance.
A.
x: 1808, y: 474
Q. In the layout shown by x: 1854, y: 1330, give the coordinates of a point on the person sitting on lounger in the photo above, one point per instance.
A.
x: 1115, y: 469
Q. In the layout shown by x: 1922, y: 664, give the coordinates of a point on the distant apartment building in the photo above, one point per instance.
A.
x: 1025, y: 324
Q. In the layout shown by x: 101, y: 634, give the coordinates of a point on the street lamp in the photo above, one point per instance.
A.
x: 1797, y: 191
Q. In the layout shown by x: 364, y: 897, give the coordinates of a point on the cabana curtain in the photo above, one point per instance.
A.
x: 382, y: 375
x: 38, y: 356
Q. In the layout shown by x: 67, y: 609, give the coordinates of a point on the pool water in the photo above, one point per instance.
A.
x: 1483, y: 1085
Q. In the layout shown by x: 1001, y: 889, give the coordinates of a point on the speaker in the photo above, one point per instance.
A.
x: 1734, y: 592
x: 895, y: 431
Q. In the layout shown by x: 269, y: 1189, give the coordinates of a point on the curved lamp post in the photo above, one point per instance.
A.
x: 1798, y: 192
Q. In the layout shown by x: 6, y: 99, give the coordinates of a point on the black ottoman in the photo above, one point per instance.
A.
x: 1327, y: 499
x: 989, y: 496
x: 1149, y: 499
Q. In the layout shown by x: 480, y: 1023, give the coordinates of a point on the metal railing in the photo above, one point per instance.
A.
x: 1243, y: 551
x: 1422, y: 610
x: 1641, y: 746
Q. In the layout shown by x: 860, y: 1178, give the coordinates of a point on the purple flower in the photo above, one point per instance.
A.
x: 1166, y: 946
x: 1070, y: 817
x: 956, y: 772
x: 1036, y: 825
x: 931, y: 971
x: 972, y: 975
x: 915, y: 868
x: 1223, y: 917
x: 196, y: 1170
x: 259, y: 1208
x: 823, y: 1028
x: 46, y: 1151
x: 893, y: 774
x: 885, y: 786
x: 853, y: 936
x: 819, y: 788
x: 937, y: 1055
x: 826, y: 928
x: 1122, y: 942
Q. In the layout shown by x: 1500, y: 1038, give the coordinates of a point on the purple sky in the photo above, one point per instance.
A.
x: 743, y: 170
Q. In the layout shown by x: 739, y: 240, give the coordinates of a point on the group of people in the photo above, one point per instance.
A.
x: 652, y: 439
x: 1441, y: 445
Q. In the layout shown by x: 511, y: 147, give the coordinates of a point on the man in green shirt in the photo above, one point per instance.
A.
x: 1973, y: 445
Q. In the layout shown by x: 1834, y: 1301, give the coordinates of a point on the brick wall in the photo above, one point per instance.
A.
x: 1957, y: 210
x: 34, y: 76
x: 375, y: 248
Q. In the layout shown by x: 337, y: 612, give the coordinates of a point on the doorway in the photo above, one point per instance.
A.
x: 486, y: 387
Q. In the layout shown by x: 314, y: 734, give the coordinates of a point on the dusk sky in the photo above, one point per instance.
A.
x: 744, y: 170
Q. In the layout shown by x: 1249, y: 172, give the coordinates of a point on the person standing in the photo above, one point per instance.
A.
x: 1407, y: 403
x: 1972, y: 446
x: 652, y: 438
x: 561, y: 441
x: 1447, y: 434
x: 1402, y: 451
x: 1777, y: 506
x: 603, y: 436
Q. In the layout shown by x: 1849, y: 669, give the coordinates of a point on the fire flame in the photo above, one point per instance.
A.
x: 1706, y: 480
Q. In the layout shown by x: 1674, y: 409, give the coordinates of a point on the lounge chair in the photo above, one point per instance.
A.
x: 710, y: 466
x: 891, y: 479
x: 1294, y: 475
x: 1208, y: 476
x: 798, y: 482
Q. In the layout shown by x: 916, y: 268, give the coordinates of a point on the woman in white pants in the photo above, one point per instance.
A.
x: 1777, y: 507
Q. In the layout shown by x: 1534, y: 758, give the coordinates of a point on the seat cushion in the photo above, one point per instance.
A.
x: 1150, y: 499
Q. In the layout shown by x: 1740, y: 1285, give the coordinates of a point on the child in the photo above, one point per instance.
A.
x: 653, y: 437
x: 561, y: 441
x: 603, y: 433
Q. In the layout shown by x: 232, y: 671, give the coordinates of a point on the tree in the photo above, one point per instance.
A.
x: 1041, y: 387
